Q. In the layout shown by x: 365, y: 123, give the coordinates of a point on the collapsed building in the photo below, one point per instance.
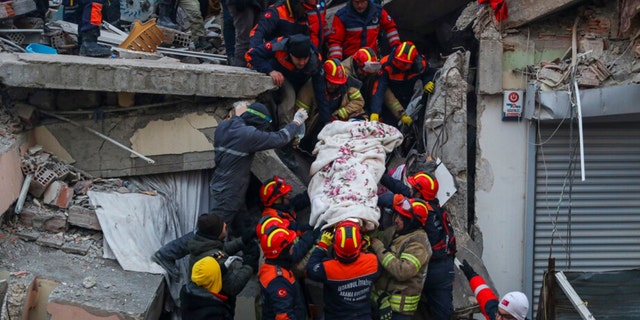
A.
x: 517, y: 107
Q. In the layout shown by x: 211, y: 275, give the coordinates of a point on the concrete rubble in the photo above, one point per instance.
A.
x: 57, y: 224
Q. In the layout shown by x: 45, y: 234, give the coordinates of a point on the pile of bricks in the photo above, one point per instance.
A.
x: 57, y: 194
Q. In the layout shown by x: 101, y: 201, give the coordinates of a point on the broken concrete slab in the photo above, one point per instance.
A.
x: 116, y: 293
x: 51, y: 240
x: 10, y: 176
x: 522, y: 12
x: 76, y: 247
x: 122, y: 75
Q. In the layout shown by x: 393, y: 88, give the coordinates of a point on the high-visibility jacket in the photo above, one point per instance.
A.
x: 279, y: 20
x: 272, y: 56
x: 347, y: 286
x: 405, y: 262
x: 281, y: 293
x: 351, y: 31
x: 487, y: 300
x: 401, y: 83
x: 390, y: 101
x: 346, y: 103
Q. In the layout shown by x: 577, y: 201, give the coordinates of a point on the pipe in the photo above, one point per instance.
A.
x: 100, y: 135
x: 23, y: 194
x: 580, y: 133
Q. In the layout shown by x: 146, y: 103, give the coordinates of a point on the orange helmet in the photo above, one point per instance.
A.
x: 273, y: 189
x: 348, y: 240
x: 334, y: 72
x: 268, y: 222
x: 275, y: 241
x: 364, y: 55
x: 406, y: 52
x: 410, y: 208
x: 426, y: 184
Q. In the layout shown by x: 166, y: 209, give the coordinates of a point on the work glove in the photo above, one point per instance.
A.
x: 405, y: 119
x: 377, y: 245
x: 300, y: 117
x: 428, y: 88
x: 467, y: 270
x: 374, y: 117
x: 326, y: 241
x: 248, y: 235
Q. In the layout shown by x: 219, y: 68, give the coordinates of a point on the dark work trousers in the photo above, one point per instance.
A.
x: 91, y: 15
x: 438, y: 288
x: 228, y: 31
x: 243, y: 21
x: 177, y: 249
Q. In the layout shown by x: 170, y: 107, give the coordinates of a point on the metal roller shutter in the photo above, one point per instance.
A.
x: 602, y: 229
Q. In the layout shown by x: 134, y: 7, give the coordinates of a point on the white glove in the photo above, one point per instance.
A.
x: 300, y: 116
x: 231, y: 259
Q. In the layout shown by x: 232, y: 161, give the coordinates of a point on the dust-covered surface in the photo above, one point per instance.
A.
x: 95, y: 283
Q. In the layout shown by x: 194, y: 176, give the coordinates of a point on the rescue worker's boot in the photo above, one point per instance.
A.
x: 90, y: 46
x: 201, y: 43
x: 164, y: 17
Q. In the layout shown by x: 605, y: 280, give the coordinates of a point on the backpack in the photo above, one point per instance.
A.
x: 440, y: 231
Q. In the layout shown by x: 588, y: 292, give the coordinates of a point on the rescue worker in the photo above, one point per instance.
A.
x: 290, y: 62
x: 403, y: 252
x: 289, y: 17
x: 358, y: 25
x: 341, y: 98
x: 401, y: 69
x: 209, y: 241
x: 364, y: 66
x: 200, y: 298
x: 88, y: 15
x: 347, y: 275
x: 513, y: 305
x: 236, y: 141
x: 281, y: 294
x: 438, y: 287
x: 274, y: 194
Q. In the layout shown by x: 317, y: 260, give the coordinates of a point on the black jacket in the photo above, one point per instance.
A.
x: 235, y: 144
x: 199, y: 304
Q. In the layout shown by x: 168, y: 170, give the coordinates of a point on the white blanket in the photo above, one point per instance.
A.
x: 350, y: 159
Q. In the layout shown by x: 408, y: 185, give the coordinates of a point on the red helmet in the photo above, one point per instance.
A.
x: 275, y: 241
x: 348, y: 240
x: 364, y: 55
x: 273, y: 189
x: 334, y: 72
x: 410, y: 208
x: 406, y: 52
x: 268, y: 222
x: 426, y: 184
